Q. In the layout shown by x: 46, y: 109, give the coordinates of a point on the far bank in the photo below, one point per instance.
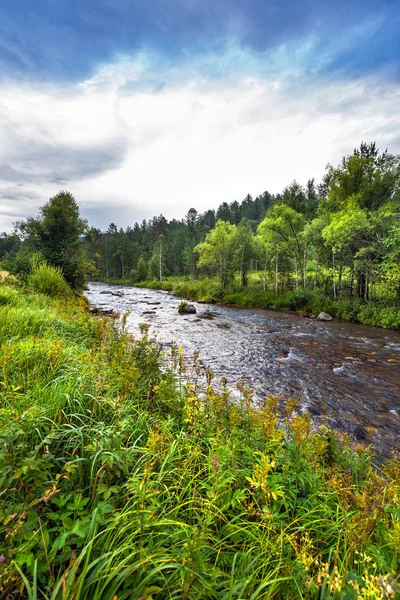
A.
x: 304, y: 302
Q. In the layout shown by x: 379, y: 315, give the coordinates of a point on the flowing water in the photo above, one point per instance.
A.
x: 346, y: 372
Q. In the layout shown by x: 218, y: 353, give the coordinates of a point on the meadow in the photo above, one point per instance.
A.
x: 127, y: 473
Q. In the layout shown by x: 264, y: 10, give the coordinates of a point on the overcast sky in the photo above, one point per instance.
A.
x: 154, y: 106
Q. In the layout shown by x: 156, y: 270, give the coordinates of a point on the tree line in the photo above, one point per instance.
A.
x: 341, y: 236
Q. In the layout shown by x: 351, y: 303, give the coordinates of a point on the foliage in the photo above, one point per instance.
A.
x: 218, y: 250
x: 56, y: 235
x: 119, y: 480
x: 48, y: 280
x: 181, y: 307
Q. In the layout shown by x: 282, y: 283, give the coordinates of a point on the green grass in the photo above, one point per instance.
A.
x: 118, y: 482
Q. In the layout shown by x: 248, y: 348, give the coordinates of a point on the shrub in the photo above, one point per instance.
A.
x: 182, y: 306
x: 49, y: 280
x: 299, y: 299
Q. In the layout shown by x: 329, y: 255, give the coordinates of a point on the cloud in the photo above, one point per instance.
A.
x: 128, y: 148
x: 66, y: 41
x: 60, y: 164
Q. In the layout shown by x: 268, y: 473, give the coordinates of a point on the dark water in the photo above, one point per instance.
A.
x: 348, y: 372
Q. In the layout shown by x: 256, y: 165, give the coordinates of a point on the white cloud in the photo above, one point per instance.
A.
x: 125, y: 144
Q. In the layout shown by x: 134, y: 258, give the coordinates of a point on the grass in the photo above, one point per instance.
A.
x: 119, y: 480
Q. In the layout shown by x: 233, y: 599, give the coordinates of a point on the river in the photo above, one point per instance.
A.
x: 346, y: 373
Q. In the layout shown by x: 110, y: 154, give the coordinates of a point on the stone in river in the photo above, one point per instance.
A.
x: 208, y: 315
x: 323, y: 316
x: 188, y: 309
x: 106, y: 292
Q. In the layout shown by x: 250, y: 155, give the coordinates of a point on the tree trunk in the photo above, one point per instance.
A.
x: 241, y: 269
x: 297, y: 274
x: 106, y: 255
x: 265, y: 276
x: 316, y: 277
x: 361, y: 285
x: 276, y: 274
x: 334, y: 278
x: 160, y: 251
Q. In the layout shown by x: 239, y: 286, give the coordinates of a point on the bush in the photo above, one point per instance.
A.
x: 182, y: 306
x: 299, y: 299
x: 49, y: 280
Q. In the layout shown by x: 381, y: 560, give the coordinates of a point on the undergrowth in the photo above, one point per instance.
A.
x: 127, y: 474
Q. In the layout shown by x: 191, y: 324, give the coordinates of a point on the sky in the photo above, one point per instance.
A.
x: 146, y: 107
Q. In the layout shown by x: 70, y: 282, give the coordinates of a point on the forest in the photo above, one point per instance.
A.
x: 324, y: 243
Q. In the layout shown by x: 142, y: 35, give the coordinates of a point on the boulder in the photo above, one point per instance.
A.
x: 323, y: 316
x: 119, y: 294
x: 188, y: 309
x: 106, y: 292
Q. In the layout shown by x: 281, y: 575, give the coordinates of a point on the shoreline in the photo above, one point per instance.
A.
x: 373, y: 314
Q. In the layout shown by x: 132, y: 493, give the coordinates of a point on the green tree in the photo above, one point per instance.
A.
x: 283, y: 227
x: 244, y: 250
x: 57, y: 235
x: 217, y: 252
x: 157, y: 261
x: 141, y: 272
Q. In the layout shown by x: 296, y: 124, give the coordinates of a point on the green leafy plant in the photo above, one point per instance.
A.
x: 48, y: 280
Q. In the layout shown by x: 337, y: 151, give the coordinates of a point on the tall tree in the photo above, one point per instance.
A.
x: 244, y: 249
x: 57, y: 234
x: 217, y: 252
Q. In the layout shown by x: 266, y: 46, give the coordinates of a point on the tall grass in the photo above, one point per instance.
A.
x: 119, y: 480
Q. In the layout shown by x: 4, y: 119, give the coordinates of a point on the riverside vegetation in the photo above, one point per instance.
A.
x: 332, y: 246
x: 127, y: 473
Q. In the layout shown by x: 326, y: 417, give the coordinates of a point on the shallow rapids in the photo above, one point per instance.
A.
x: 347, y: 372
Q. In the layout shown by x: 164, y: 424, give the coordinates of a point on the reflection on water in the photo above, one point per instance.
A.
x: 351, y: 372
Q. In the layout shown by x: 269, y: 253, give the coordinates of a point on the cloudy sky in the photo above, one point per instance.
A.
x: 154, y: 106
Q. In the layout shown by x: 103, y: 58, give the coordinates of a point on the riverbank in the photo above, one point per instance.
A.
x: 115, y: 479
x: 304, y: 302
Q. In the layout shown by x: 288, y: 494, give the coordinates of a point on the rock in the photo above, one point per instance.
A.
x: 99, y: 310
x: 188, y: 309
x: 208, y: 315
x: 359, y: 432
x: 323, y: 316
x: 152, y: 303
x: 148, y: 312
x: 106, y: 292
x: 119, y: 294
